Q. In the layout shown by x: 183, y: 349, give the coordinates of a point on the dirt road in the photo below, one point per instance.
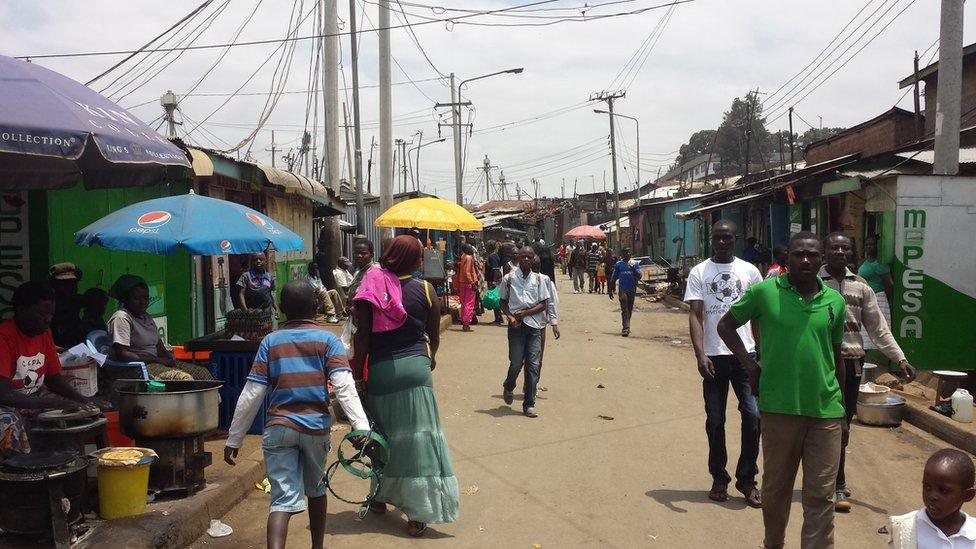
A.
x: 573, y: 479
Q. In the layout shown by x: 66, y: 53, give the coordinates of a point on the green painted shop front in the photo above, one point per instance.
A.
x: 57, y: 215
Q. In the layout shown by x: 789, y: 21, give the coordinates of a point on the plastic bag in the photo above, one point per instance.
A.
x: 348, y: 331
x: 491, y: 300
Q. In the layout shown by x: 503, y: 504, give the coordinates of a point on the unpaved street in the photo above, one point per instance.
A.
x: 573, y: 479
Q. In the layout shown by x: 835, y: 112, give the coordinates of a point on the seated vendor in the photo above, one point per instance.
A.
x: 135, y: 336
x: 328, y: 300
x: 30, y: 372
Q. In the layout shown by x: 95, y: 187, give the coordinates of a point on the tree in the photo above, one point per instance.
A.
x: 816, y: 134
x: 736, y: 131
x: 698, y: 144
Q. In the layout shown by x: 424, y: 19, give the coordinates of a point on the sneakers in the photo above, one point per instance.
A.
x: 841, y: 503
x: 332, y: 319
x: 509, y: 397
x: 530, y: 412
x: 625, y: 332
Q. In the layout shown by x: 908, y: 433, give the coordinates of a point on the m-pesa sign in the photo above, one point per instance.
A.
x: 935, y: 271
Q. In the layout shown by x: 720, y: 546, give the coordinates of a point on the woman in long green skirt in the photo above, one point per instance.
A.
x: 397, y: 333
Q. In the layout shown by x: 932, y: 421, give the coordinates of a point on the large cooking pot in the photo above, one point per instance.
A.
x: 183, y: 409
x: 887, y: 414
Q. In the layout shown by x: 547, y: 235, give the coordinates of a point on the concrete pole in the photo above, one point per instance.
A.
x: 947, y: 108
x: 456, y: 127
x: 357, y: 138
x: 330, y: 70
x: 386, y: 111
x: 329, y: 238
x: 616, y: 189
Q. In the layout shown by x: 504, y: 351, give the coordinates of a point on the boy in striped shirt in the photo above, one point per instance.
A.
x: 295, y: 362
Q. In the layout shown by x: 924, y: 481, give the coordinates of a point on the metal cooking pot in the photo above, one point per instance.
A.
x: 888, y: 414
x: 185, y: 408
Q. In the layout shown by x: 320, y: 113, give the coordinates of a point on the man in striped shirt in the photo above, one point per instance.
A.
x: 862, y: 310
x: 592, y: 261
x: 295, y: 363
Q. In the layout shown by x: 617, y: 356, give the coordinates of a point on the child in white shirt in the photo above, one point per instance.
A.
x: 947, y: 483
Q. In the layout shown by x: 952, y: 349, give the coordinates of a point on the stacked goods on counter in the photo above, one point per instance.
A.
x: 251, y: 325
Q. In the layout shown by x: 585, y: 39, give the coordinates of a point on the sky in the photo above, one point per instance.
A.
x: 537, y: 124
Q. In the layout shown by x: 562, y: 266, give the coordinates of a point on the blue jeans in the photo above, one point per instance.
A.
x: 295, y: 463
x: 728, y: 371
x: 524, y: 347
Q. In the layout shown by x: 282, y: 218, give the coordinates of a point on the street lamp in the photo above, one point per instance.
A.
x: 417, y: 148
x: 599, y: 111
x: 456, y: 123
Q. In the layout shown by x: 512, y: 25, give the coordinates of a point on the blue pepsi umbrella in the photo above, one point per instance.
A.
x: 202, y: 225
x: 53, y: 129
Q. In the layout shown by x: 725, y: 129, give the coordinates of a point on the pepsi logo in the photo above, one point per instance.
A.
x: 256, y: 219
x: 225, y: 245
x: 154, y: 220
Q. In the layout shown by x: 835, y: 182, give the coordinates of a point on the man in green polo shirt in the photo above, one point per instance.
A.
x: 801, y: 324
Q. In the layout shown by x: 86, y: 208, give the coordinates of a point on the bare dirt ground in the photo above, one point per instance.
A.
x: 573, y: 478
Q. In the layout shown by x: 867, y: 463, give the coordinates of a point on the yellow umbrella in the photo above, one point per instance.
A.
x: 429, y: 213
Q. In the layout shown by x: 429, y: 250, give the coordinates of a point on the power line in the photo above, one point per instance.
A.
x: 816, y: 57
x: 415, y: 39
x: 149, y: 43
x: 274, y: 40
x: 792, y: 99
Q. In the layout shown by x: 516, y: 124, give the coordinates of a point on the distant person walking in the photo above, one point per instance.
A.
x: 625, y: 274
x: 592, y: 262
x: 801, y: 321
x: 577, y: 264
x: 714, y: 285
x: 863, y: 314
x: 525, y: 301
x: 466, y: 282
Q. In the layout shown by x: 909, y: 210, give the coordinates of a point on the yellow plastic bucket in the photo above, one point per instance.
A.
x: 123, y: 486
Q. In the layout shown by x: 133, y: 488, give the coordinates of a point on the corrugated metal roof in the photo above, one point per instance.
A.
x: 966, y: 156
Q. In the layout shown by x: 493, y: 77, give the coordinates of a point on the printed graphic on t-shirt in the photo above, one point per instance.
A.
x: 725, y: 287
x: 30, y: 370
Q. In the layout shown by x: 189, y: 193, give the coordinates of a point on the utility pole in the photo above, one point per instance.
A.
x: 501, y: 185
x: 562, y: 189
x: 273, y: 150
x: 357, y: 140
x: 369, y: 166
x: 609, y: 97
x: 403, y: 162
x: 346, y: 126
x: 782, y: 158
x: 169, y: 101
x: 386, y: 109
x: 456, y: 128
x: 792, y: 161
x: 918, y: 106
x: 947, y: 108
x: 535, y: 191
x: 330, y: 237
x: 749, y: 108
x: 420, y: 143
x: 486, y: 166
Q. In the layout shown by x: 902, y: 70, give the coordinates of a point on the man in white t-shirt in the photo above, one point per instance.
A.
x: 713, y: 286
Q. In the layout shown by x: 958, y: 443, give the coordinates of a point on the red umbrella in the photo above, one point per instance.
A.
x: 587, y: 232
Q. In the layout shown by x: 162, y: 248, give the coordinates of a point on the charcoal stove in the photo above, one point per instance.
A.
x: 60, y: 430
x: 173, y: 423
x: 43, y: 495
x: 179, y: 467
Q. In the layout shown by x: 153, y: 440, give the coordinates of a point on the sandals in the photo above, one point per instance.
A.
x: 378, y: 507
x: 719, y: 492
x: 416, y: 529
x: 751, y: 493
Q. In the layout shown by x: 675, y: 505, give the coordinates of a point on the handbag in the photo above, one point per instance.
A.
x: 491, y: 299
